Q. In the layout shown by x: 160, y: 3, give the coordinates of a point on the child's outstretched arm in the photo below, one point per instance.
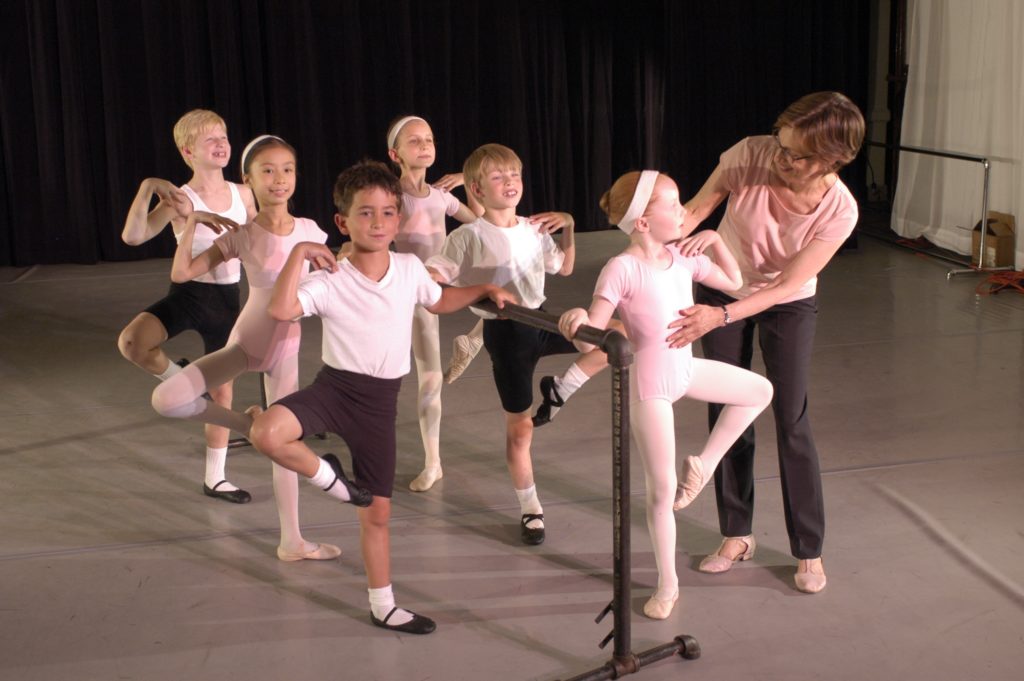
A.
x: 598, y: 316
x: 454, y: 298
x: 185, y: 267
x: 552, y: 221
x: 725, y: 275
x: 142, y: 224
x: 284, y: 303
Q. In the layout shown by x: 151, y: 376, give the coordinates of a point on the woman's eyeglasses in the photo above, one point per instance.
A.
x: 786, y: 153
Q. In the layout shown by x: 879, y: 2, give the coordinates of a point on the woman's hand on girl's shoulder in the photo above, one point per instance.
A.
x: 698, y: 243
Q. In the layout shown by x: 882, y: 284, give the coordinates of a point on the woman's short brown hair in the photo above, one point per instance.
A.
x: 831, y: 126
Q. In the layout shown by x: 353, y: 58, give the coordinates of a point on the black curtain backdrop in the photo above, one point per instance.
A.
x: 583, y: 91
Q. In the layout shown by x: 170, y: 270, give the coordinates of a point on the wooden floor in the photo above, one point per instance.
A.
x: 114, y: 566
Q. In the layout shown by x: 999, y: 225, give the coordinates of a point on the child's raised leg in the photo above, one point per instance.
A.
x: 276, y: 434
x: 426, y: 349
x: 464, y: 349
x: 140, y: 343
x: 745, y: 395
x: 555, y: 391
x: 653, y: 429
x: 181, y: 396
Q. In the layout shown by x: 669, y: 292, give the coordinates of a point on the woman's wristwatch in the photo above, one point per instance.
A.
x: 727, y: 319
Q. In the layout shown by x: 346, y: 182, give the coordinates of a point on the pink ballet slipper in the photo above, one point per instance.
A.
x: 660, y: 608
x: 693, y: 482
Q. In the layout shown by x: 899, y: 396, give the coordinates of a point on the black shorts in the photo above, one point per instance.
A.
x: 515, y: 349
x: 208, y: 309
x: 362, y: 411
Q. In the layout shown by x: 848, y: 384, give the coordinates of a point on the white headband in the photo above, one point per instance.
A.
x: 641, y: 197
x: 397, y: 127
x: 250, y: 145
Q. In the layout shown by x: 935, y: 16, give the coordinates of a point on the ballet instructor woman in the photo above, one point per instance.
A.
x: 787, y: 215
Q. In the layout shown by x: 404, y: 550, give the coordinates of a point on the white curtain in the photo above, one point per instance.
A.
x: 965, y: 93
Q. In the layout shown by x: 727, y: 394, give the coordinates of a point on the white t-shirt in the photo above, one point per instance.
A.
x: 422, y: 231
x: 368, y: 324
x: 515, y: 258
x: 229, y: 271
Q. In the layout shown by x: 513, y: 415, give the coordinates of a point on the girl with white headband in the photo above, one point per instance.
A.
x: 257, y: 342
x: 422, y: 232
x: 648, y: 283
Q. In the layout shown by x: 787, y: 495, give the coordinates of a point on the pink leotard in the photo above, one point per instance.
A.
x: 263, y: 254
x: 647, y: 300
x: 422, y: 230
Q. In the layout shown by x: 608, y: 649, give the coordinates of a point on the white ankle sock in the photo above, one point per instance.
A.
x: 529, y: 503
x: 382, y: 600
x: 216, y: 457
x: 572, y: 381
x: 171, y: 369
x: 325, y: 478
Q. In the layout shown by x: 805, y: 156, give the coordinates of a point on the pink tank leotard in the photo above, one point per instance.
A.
x: 264, y: 339
x: 647, y: 300
x: 422, y: 230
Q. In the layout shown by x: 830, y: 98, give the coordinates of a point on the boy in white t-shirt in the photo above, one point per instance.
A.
x: 515, y: 253
x: 366, y: 302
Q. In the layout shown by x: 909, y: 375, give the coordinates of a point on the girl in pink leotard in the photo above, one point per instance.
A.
x: 422, y: 232
x: 648, y: 283
x: 258, y: 342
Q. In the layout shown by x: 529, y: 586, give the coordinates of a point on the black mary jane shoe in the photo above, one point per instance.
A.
x: 531, y: 535
x: 357, y: 495
x: 417, y: 625
x: 235, y: 496
x: 551, y: 402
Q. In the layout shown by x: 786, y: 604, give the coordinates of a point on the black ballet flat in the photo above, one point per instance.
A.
x: 551, y: 402
x: 235, y: 496
x: 358, y: 496
x: 417, y: 625
x: 531, y: 535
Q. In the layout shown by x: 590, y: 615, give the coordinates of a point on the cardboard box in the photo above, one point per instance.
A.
x: 999, y: 240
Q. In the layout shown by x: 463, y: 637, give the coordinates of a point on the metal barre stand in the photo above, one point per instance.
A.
x: 984, y: 205
x: 620, y: 356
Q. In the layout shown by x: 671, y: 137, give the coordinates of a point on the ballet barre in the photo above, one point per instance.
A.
x: 968, y: 269
x: 620, y: 356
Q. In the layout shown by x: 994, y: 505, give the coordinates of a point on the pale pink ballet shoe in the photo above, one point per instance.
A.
x: 716, y: 562
x: 464, y: 349
x: 693, y: 482
x: 321, y: 552
x: 660, y: 608
x: 426, y: 479
x: 810, y: 576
